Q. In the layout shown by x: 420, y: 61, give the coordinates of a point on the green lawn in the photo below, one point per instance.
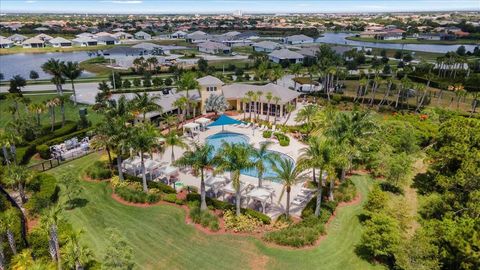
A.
x: 71, y: 112
x: 161, y: 239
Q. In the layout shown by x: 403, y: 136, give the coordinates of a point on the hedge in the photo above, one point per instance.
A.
x: 136, y: 196
x: 283, y: 139
x: 221, y: 205
x: 43, y: 150
x: 45, y: 192
x: 164, y: 188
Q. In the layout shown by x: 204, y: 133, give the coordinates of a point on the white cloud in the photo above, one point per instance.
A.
x: 31, y: 1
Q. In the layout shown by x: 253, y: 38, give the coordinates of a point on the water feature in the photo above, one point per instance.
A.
x: 22, y: 63
x: 340, y: 38
x: 216, y: 141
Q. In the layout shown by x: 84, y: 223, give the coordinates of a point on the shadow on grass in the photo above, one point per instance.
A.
x: 391, y: 188
x: 76, y: 203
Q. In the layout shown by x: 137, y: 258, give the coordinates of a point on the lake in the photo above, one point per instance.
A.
x: 22, y: 63
x: 339, y: 38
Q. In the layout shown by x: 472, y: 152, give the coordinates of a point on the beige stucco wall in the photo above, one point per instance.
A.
x: 204, y: 94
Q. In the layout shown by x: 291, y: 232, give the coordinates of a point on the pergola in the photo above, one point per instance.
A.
x: 215, y: 182
x: 192, y: 128
x: 262, y: 195
x: 203, y: 122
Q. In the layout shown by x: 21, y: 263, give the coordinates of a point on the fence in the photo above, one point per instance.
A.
x: 55, y: 162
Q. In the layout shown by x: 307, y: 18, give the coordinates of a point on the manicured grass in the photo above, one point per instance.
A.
x: 71, y: 112
x: 161, y: 239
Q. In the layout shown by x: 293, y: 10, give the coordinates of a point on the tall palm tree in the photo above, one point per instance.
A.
x: 103, y: 139
x: 234, y: 158
x: 268, y: 97
x: 51, y: 104
x: 72, y: 71
x: 170, y: 120
x: 145, y: 103
x: 199, y: 158
x: 54, y: 67
x: 62, y: 100
x: 120, y: 136
x: 289, y: 108
x: 245, y: 100
x: 18, y: 176
x: 276, y: 74
x: 182, y: 104
x: 262, y: 157
x: 8, y: 140
x: 276, y: 100
x: 288, y: 174
x: 37, y: 109
x: 186, y: 83
x: 50, y: 222
x: 258, y: 96
x: 15, y: 99
x: 172, y: 139
x: 144, y: 140
x: 250, y: 95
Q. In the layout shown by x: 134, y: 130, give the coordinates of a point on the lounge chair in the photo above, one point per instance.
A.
x: 298, y: 201
x: 248, y: 125
x: 242, y: 125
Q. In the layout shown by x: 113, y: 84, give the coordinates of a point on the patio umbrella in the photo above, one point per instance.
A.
x: 224, y: 120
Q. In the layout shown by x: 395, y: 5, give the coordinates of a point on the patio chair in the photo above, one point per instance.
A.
x: 299, y: 201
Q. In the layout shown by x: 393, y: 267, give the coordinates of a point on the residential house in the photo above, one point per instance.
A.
x: 33, y: 43
x: 60, y: 42
x: 124, y: 51
x: 178, y: 34
x: 6, y: 43
x: 266, y: 46
x: 122, y: 36
x: 213, y: 47
x: 17, y: 38
x: 436, y: 36
x: 85, y: 41
x: 85, y: 34
x: 142, y: 35
x: 285, y: 56
x: 149, y: 48
x: 43, y: 37
x: 297, y: 39
x: 208, y: 85
x: 196, y: 37
x: 107, y: 40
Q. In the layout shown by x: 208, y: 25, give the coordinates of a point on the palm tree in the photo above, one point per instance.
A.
x: 51, y: 104
x: 170, y: 120
x: 37, y: 109
x: 9, y: 220
x: 72, y: 71
x: 103, y: 139
x: 250, y: 95
x: 61, y: 101
x: 18, y: 176
x: 306, y: 114
x: 276, y: 100
x: 234, y: 158
x: 120, y: 136
x: 75, y: 254
x: 268, y: 97
x: 262, y: 157
x: 182, y: 104
x: 144, y: 140
x: 152, y: 62
x: 23, y: 260
x: 289, y: 108
x: 199, y: 158
x: 187, y: 82
x: 9, y: 139
x: 288, y: 174
x: 15, y: 99
x: 244, y: 101
x: 258, y: 97
x: 276, y: 74
x: 145, y: 103
x: 54, y: 67
x: 50, y: 222
x: 172, y: 139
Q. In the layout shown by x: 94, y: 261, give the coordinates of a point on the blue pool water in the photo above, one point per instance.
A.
x: 216, y: 141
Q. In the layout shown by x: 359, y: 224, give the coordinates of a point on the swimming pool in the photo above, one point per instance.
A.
x: 217, y: 139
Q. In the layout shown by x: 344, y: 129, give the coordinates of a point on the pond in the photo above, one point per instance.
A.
x: 339, y: 38
x: 216, y: 141
x: 22, y: 63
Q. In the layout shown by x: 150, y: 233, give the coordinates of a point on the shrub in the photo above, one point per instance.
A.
x: 44, y: 151
x: 204, y: 218
x: 164, y: 188
x: 98, y: 171
x: 221, y: 205
x: 309, y: 209
x: 242, y: 223
x: 304, y: 233
x: 45, y: 193
x: 267, y: 134
x: 170, y: 198
x: 346, y: 191
x: 132, y: 194
x: 283, y: 139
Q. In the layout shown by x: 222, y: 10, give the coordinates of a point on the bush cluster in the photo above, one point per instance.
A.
x: 221, y: 205
x: 164, y: 188
x: 98, y: 171
x: 44, y: 193
x: 137, y: 196
x: 267, y: 134
x: 304, y: 233
x: 44, y: 151
x: 204, y: 218
x: 172, y: 198
x: 242, y: 223
x: 283, y: 139
x: 346, y: 191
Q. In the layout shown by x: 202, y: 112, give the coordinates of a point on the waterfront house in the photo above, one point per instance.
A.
x: 60, y: 42
x: 107, y: 40
x: 33, y: 43
x: 17, y: 38
x: 44, y: 37
x: 178, y: 34
x: 285, y: 56
x: 5, y: 43
x: 297, y: 39
x: 266, y: 46
x: 197, y: 36
x: 122, y: 36
x: 85, y: 41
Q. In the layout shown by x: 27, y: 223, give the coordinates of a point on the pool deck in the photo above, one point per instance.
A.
x: 255, y: 138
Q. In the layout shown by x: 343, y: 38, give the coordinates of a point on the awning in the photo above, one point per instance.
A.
x: 191, y: 126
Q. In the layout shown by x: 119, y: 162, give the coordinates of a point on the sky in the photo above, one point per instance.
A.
x: 228, y: 6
